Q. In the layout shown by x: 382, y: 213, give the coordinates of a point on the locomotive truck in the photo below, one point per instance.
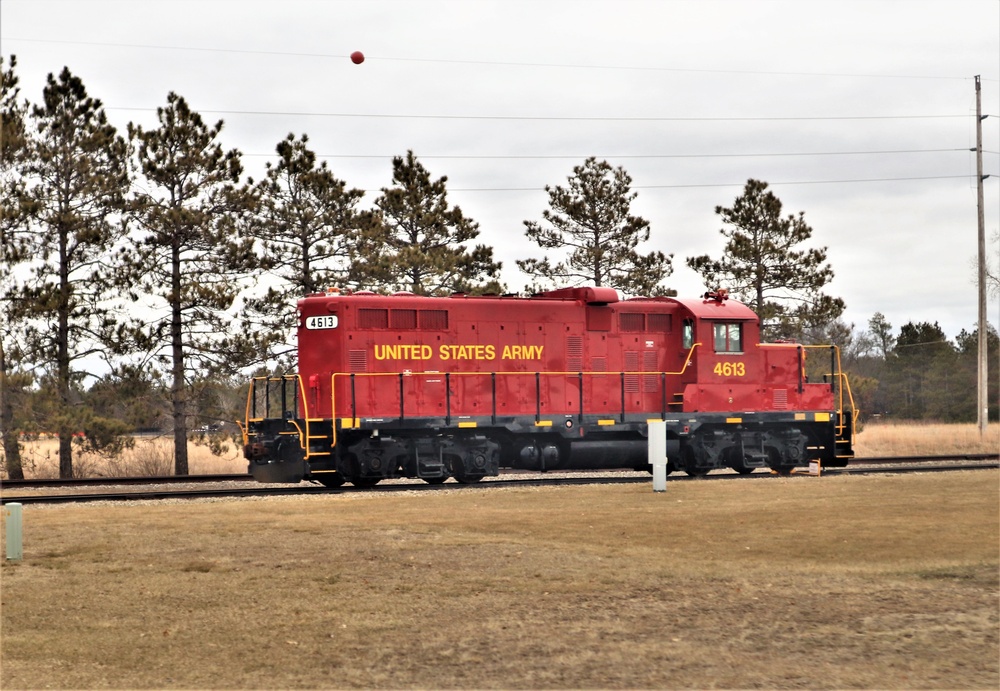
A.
x: 462, y: 386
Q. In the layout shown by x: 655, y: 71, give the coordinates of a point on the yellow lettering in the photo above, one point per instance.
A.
x: 467, y: 352
x: 730, y: 369
x: 402, y: 351
x: 521, y: 352
x: 413, y: 351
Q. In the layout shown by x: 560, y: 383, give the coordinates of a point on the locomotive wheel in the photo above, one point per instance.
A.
x: 691, y: 464
x: 331, y: 480
x: 781, y: 468
x: 458, y: 472
x: 354, y: 473
x: 365, y: 481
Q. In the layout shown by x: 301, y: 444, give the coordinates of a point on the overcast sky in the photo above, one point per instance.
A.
x: 860, y: 114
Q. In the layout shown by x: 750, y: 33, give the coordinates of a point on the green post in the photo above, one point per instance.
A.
x: 14, y: 544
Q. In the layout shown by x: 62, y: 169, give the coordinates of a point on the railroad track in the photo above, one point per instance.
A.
x: 243, y: 486
x: 254, y: 489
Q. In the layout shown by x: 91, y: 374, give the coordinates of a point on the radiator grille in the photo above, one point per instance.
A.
x: 358, y: 360
x: 373, y: 319
x: 631, y: 365
x: 780, y: 398
x: 434, y: 319
x: 650, y: 382
x: 403, y: 319
x: 574, y: 353
x: 632, y: 322
x: 661, y: 323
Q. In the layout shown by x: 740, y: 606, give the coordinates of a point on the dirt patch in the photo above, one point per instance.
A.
x: 838, y: 582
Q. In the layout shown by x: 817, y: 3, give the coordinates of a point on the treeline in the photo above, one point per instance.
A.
x: 143, y: 276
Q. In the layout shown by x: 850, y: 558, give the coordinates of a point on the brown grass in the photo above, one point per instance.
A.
x: 925, y: 439
x: 151, y: 456
x: 835, y: 582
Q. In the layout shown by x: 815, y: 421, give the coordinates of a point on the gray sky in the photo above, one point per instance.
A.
x: 859, y: 113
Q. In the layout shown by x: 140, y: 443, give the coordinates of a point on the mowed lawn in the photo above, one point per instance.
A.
x: 834, y: 582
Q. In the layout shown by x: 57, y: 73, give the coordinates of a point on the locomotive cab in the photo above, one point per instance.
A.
x: 724, y: 370
x: 755, y: 406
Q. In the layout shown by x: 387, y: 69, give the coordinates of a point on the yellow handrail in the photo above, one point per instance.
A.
x: 843, y: 385
x: 301, y: 395
x: 438, y: 373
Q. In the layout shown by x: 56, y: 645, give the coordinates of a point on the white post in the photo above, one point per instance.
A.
x: 14, y: 544
x: 657, y: 450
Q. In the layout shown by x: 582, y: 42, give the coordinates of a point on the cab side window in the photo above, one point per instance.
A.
x: 688, y: 337
x: 728, y: 337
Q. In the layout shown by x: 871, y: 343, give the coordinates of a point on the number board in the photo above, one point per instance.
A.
x: 328, y: 321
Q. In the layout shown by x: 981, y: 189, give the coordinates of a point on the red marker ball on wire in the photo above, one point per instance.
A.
x: 357, y: 57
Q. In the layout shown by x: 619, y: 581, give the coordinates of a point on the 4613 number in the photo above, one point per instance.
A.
x: 730, y: 369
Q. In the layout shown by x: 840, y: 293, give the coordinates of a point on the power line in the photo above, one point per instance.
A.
x: 338, y: 56
x: 559, y: 118
x: 727, y: 184
x: 520, y: 157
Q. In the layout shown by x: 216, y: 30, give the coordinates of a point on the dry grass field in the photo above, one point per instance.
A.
x: 837, y: 582
x: 154, y: 456
x: 151, y: 456
x: 925, y: 439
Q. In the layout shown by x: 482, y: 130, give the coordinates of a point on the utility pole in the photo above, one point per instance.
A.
x: 983, y: 382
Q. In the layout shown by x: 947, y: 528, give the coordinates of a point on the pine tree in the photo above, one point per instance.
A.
x: 591, y: 219
x: 881, y: 335
x: 76, y: 176
x: 306, y: 224
x: 761, y: 266
x: 925, y: 360
x: 13, y: 144
x: 191, y: 256
x: 418, y: 243
x: 12, y: 246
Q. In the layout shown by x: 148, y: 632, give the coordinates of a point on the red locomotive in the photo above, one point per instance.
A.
x: 461, y: 386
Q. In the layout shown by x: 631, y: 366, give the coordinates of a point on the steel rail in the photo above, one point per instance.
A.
x: 132, y: 480
x: 245, y: 477
x: 540, y: 480
x: 928, y: 459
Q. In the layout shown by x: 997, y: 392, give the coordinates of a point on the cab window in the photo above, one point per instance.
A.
x: 729, y: 337
x: 688, y: 337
